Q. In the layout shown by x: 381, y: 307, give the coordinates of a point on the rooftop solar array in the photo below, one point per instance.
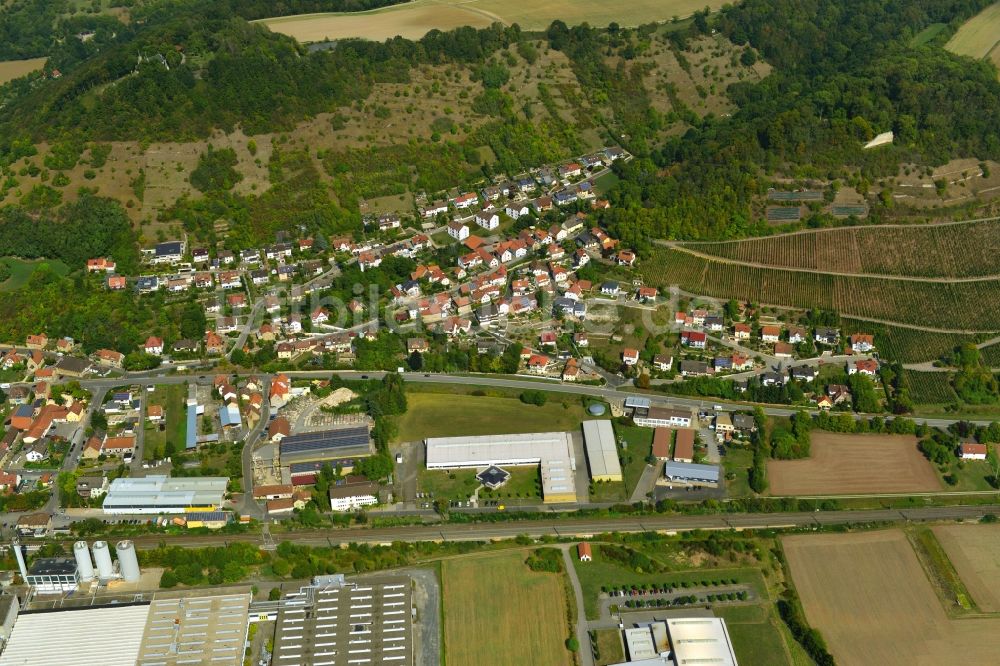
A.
x: 341, y: 438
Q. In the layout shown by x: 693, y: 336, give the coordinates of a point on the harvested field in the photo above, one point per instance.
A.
x: 411, y: 21
x: 947, y: 306
x: 870, y: 598
x: 942, y: 250
x: 977, y: 36
x: 844, y: 464
x: 974, y: 551
x: 488, y: 621
x: 14, y: 69
x: 415, y: 19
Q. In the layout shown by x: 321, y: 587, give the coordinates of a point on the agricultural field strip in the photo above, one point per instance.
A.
x: 978, y: 36
x: 948, y: 249
x: 942, y: 307
x: 801, y: 269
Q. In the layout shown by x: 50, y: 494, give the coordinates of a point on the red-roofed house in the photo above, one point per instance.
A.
x: 538, y: 363
x: 100, y: 264
x: 694, y: 339
x: 862, y: 342
x: 630, y: 356
x: 583, y: 552
x: 40, y: 341
x: 867, y: 366
x: 154, y: 346
x: 970, y: 451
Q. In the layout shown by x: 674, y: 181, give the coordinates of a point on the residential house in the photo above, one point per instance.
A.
x: 694, y: 339
x: 770, y: 333
x: 488, y: 220
x: 101, y: 265
x: 862, y: 342
x: 154, y: 346
x: 571, y: 371
x: 972, y: 451
x: 645, y: 294
x: 625, y: 257
x: 826, y: 335
x: 40, y: 341
x: 803, y: 373
x: 783, y: 350
x: 663, y: 362
x: 695, y: 369
x: 868, y: 367
x: 714, y: 323
x: 117, y: 282
x: 516, y: 209
x: 630, y: 356
x: 741, y: 331
x: 610, y: 289
x: 796, y: 334
x: 214, y: 344
x: 538, y: 364
x: 464, y: 201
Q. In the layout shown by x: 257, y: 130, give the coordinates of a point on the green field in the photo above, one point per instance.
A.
x: 927, y: 34
x: 21, y: 270
x: 609, y: 646
x: 497, y: 612
x: 449, y: 415
x: 979, y: 35
x: 738, y: 461
x: 173, y: 398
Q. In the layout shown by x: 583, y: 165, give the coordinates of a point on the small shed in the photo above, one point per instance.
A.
x: 583, y: 551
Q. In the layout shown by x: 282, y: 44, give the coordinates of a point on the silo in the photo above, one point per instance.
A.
x: 84, y: 565
x: 102, y: 557
x: 128, y: 564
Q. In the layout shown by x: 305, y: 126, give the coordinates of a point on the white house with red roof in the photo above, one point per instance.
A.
x: 154, y: 346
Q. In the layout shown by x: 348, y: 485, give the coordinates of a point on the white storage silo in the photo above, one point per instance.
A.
x: 128, y: 563
x: 102, y: 558
x: 84, y: 565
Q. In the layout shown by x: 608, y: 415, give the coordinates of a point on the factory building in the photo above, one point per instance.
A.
x: 176, y: 628
x: 679, y: 641
x: 691, y: 473
x: 602, y: 453
x: 644, y: 414
x: 162, y: 494
x: 53, y: 574
x: 333, y: 446
x: 551, y: 451
x: 335, y: 622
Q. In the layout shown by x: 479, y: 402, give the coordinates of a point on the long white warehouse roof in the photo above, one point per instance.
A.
x: 552, y: 451
x: 165, y: 493
x: 701, y: 640
x: 599, y: 438
x: 67, y: 638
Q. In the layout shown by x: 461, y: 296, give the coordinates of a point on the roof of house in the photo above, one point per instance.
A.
x: 684, y: 446
x: 661, y: 442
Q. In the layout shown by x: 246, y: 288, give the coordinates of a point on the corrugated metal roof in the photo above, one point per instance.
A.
x: 599, y: 438
x: 108, y: 636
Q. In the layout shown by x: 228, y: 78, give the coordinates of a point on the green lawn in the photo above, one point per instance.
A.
x: 459, y: 484
x: 738, y: 460
x: 173, y: 399
x: 605, y: 182
x: 756, y: 636
x: 21, y: 270
x: 640, y: 445
x: 971, y: 475
x: 451, y: 415
x: 609, y: 647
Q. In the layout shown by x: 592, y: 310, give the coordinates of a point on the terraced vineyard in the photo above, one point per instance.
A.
x: 929, y: 388
x: 991, y: 355
x: 949, y: 250
x: 909, y: 345
x: 960, y: 306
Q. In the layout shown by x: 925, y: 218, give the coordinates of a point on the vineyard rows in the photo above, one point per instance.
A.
x: 929, y: 388
x: 955, y: 306
x: 956, y: 250
x: 991, y: 355
x: 908, y: 345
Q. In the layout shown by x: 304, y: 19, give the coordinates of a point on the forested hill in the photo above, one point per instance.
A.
x: 38, y: 28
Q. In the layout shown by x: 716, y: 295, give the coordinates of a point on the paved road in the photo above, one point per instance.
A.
x: 580, y: 527
x: 586, y: 652
x: 247, y: 505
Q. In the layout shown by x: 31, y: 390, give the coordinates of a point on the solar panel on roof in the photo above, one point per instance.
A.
x: 325, y: 439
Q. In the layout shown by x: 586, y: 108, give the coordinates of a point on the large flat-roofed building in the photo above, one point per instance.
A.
x: 701, y: 640
x: 53, y: 574
x: 346, y: 443
x: 162, y: 494
x: 602, y: 453
x: 105, y: 635
x: 551, y: 451
x: 662, y: 417
x: 195, y: 628
x: 691, y: 474
x: 335, y: 622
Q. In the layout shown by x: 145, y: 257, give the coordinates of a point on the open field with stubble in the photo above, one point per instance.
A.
x: 843, y: 464
x: 14, y: 69
x: 497, y: 612
x: 974, y: 551
x: 871, y: 600
x: 978, y: 36
x: 415, y: 19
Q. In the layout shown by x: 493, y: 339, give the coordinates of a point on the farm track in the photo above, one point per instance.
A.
x: 673, y: 245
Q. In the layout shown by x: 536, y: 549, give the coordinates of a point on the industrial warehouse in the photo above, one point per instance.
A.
x: 551, y: 451
x: 334, y: 622
x: 679, y: 641
x: 162, y: 494
x: 335, y: 445
x: 602, y: 453
x: 174, y: 629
